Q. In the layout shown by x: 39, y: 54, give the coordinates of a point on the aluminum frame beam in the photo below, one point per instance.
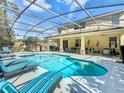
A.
x: 96, y: 7
x: 42, y: 19
x: 88, y: 13
x: 23, y: 23
x: 21, y: 14
x: 24, y: 30
x: 54, y: 13
x: 47, y: 30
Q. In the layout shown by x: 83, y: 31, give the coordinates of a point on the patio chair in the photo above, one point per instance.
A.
x: 15, y: 69
x: 94, y: 51
x: 44, y: 83
x: 106, y: 52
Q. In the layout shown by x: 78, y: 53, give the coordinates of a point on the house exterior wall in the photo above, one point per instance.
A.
x: 45, y: 45
x: 98, y: 39
x: 101, y: 37
x: 101, y: 42
x: 121, y: 18
x: 71, y: 43
x: 104, y: 21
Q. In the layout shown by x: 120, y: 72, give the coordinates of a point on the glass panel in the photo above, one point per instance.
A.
x: 78, y: 43
x: 115, y: 19
x: 113, y: 42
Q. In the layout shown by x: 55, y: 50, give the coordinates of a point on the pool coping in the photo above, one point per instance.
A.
x: 74, y: 56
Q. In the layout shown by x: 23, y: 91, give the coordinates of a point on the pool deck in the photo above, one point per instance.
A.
x: 25, y: 77
x: 112, y: 82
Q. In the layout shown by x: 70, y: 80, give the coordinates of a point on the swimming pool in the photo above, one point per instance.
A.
x: 67, y: 65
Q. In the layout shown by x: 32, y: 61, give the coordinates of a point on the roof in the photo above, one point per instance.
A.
x: 109, y: 29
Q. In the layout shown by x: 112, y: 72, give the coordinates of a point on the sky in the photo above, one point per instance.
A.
x: 57, y: 6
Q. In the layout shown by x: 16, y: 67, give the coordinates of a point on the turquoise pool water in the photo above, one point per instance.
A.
x: 68, y: 66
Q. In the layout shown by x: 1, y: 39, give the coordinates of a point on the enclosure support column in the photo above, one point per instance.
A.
x: 48, y: 45
x: 122, y: 39
x: 122, y: 48
x: 82, y: 50
x: 61, y: 45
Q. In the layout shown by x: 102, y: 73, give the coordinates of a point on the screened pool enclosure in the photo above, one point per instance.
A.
x: 43, y: 19
x: 40, y: 18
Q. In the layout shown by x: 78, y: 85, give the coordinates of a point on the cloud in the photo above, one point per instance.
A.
x: 73, y: 5
x: 67, y: 2
x: 35, y: 8
x: 10, y: 0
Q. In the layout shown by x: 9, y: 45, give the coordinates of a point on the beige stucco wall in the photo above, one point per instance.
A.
x: 44, y: 45
x: 101, y: 41
x: 102, y: 21
x: 121, y: 18
x: 71, y: 43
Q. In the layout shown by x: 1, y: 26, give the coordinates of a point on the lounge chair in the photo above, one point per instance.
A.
x: 7, y: 55
x: 15, y: 69
x: 6, y: 50
x: 44, y: 83
x: 16, y: 61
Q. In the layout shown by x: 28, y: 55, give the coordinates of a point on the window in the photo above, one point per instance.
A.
x: 115, y: 19
x: 82, y: 24
x: 65, y: 44
x: 59, y: 31
x: 113, y: 42
x: 78, y: 43
x: 76, y: 27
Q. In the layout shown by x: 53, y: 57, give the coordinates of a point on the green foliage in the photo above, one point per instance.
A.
x: 13, y: 6
x: 6, y: 42
x: 7, y: 39
x: 30, y: 42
